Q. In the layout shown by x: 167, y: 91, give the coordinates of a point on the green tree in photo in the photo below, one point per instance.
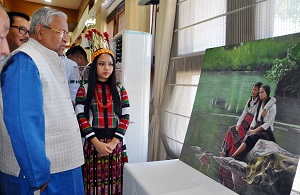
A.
x: 261, y: 55
x: 282, y: 66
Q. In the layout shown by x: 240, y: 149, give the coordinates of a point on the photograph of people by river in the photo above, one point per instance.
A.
x: 227, y: 87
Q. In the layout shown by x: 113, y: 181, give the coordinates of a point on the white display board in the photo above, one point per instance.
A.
x: 134, y: 72
x: 169, y: 177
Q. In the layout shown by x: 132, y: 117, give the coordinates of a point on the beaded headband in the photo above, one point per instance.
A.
x: 98, y: 42
x: 101, y: 51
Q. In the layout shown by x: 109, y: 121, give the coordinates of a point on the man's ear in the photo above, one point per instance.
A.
x: 39, y: 32
x: 80, y: 57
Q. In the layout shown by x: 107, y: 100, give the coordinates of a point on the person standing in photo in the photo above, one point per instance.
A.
x: 102, y: 109
x: 78, y: 55
x: 72, y: 72
x: 39, y: 130
x: 19, y: 29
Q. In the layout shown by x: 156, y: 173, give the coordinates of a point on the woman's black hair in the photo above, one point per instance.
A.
x: 267, y: 89
x: 258, y: 85
x: 92, y: 84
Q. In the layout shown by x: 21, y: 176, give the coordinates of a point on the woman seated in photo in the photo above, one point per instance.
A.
x: 262, y: 124
x: 236, y: 133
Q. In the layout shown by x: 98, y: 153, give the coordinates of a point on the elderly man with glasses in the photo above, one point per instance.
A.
x: 40, y: 139
x: 19, y: 28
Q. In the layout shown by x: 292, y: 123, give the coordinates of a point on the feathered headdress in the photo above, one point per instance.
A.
x: 98, y: 42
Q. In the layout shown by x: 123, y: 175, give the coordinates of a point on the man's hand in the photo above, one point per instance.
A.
x: 44, y: 186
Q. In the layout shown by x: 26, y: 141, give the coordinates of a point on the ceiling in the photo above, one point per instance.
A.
x: 69, y: 4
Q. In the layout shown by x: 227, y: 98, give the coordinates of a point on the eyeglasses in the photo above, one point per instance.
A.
x: 62, y: 33
x: 22, y: 29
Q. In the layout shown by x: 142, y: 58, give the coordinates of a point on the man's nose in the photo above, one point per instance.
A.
x: 5, y: 48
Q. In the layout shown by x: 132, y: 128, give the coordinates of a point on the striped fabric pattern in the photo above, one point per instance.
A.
x: 97, y: 112
x: 124, y: 120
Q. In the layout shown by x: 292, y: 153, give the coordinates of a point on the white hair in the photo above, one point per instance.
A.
x: 44, y: 17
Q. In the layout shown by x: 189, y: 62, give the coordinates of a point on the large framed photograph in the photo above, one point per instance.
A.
x: 220, y: 140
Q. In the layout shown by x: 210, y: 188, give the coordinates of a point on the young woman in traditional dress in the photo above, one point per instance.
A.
x: 102, y: 110
x: 262, y: 124
x: 236, y: 133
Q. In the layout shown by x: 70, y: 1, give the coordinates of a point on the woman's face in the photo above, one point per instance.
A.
x: 262, y: 94
x: 254, y: 92
x: 104, y: 67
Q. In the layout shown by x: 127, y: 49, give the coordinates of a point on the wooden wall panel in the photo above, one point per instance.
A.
x: 30, y: 7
